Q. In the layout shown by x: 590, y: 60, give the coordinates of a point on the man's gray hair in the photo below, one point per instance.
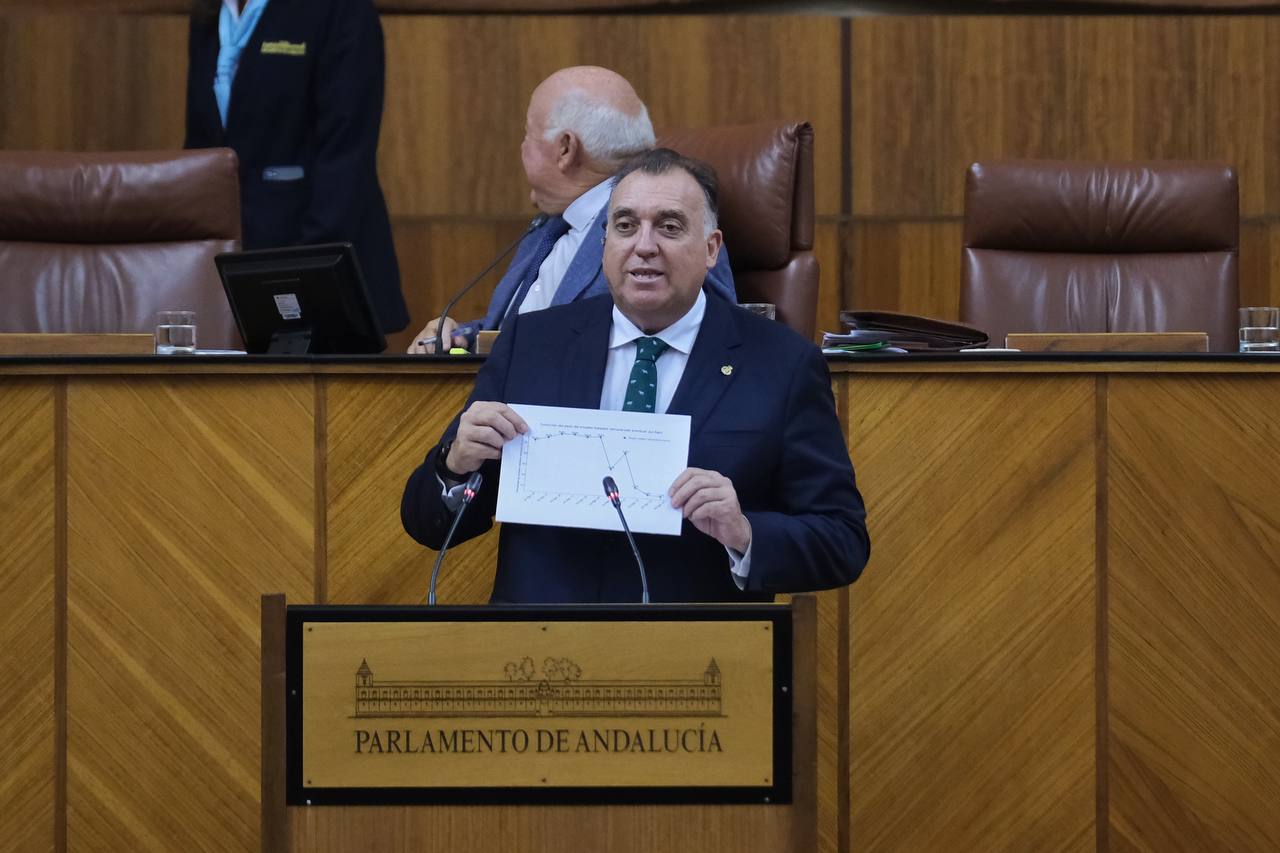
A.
x: 607, y: 133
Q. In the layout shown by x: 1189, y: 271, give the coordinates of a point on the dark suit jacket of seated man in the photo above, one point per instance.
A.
x: 762, y: 414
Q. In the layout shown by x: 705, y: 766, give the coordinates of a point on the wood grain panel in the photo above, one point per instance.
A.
x: 92, y: 82
x: 831, y: 683
x: 933, y: 94
x: 971, y: 687
x: 1201, y: 92
x: 1195, y: 612
x: 1260, y: 262
x: 913, y: 267
x: 27, y: 795
x: 454, y: 117
x: 188, y: 498
x: 379, y: 431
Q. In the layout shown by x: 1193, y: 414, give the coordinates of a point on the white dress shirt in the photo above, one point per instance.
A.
x: 579, y: 216
x: 679, y: 337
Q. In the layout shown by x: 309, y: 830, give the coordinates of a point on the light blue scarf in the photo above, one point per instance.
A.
x: 233, y: 34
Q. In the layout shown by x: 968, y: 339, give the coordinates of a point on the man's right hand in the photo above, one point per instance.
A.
x: 484, y: 428
x: 425, y: 341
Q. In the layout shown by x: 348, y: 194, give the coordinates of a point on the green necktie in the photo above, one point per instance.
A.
x: 642, y: 390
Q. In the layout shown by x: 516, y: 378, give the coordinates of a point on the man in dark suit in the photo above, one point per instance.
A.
x: 581, y: 125
x: 303, y: 114
x: 769, y: 500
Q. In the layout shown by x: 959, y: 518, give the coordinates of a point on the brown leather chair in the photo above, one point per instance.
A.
x: 1052, y: 246
x: 766, y: 211
x: 101, y: 242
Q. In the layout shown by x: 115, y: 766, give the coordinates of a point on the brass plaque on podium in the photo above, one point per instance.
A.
x: 654, y: 704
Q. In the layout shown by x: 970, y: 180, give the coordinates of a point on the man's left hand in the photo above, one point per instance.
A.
x: 709, y: 501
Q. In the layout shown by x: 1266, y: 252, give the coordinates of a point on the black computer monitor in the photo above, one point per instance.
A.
x: 301, y: 299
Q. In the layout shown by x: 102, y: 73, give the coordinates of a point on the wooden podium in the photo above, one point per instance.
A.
x: 474, y: 729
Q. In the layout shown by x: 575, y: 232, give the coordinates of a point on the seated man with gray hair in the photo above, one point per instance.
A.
x: 583, y: 123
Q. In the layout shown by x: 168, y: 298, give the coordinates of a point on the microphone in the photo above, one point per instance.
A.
x: 468, y: 495
x: 611, y: 492
x: 441, y: 344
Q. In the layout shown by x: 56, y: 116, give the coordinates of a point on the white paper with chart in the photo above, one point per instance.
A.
x: 553, y: 474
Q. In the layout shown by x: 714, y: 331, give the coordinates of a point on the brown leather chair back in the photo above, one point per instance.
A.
x: 766, y: 211
x: 101, y: 242
x: 1054, y: 246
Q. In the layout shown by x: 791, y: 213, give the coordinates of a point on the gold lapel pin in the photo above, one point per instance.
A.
x: 727, y: 370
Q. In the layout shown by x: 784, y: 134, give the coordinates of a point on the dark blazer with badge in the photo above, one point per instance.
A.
x: 306, y: 106
x: 763, y: 414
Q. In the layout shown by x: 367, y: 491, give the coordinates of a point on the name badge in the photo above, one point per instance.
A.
x: 285, y: 48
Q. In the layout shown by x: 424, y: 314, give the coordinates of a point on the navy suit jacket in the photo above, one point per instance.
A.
x: 320, y: 111
x: 583, y: 279
x: 769, y: 424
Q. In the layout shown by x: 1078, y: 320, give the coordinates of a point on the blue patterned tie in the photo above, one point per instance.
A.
x: 642, y: 390
x: 551, y: 231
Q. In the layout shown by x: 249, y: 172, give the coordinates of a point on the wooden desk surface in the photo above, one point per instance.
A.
x: 1065, y: 637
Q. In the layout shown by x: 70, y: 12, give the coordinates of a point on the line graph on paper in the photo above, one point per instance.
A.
x: 553, y: 474
x: 599, y: 453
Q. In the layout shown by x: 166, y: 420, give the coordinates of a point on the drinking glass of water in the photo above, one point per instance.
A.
x: 1260, y: 330
x: 175, y: 332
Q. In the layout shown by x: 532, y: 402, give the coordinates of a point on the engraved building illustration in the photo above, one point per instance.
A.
x: 558, y: 693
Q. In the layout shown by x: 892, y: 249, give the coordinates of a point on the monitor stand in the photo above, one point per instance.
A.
x: 290, y: 343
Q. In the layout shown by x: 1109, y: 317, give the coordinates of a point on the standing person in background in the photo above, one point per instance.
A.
x: 295, y: 88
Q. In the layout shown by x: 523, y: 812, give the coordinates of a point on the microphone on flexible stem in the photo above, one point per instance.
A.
x: 442, y: 346
x: 611, y: 492
x: 468, y: 495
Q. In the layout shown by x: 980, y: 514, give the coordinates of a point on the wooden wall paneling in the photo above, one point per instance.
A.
x: 1194, y: 613
x: 902, y: 265
x: 1271, y: 93
x: 36, y: 58
x: 1260, y: 262
x: 1027, y: 95
x: 971, y: 690
x: 455, y: 115
x: 27, y: 630
x: 379, y: 431
x: 1098, y: 98
x: 832, y: 681
x: 187, y: 500
x: 932, y: 94
x: 896, y: 73
x: 76, y: 81
x: 1201, y: 93
x: 130, y: 82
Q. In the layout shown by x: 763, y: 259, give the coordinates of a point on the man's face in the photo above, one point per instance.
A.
x: 656, y: 254
x: 540, y: 157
